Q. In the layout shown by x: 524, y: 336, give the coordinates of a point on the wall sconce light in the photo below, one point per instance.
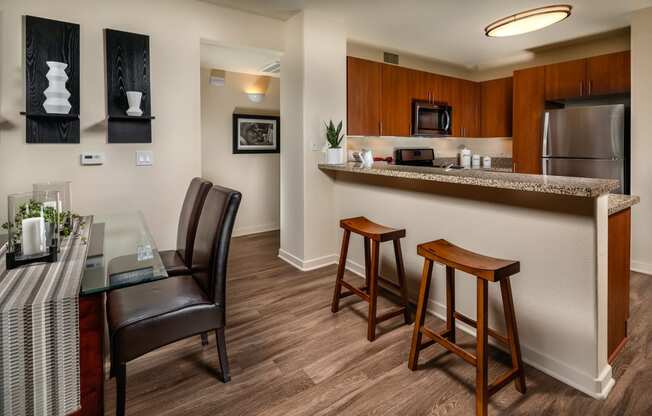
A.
x: 217, y: 78
x: 256, y: 92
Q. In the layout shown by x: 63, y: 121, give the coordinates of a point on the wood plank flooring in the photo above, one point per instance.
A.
x: 291, y: 356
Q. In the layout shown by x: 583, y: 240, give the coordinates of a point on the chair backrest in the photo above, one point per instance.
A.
x: 192, y: 204
x: 213, y: 239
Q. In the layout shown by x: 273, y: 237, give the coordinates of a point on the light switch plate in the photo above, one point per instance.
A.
x: 144, y: 158
x: 91, y: 158
x: 316, y: 147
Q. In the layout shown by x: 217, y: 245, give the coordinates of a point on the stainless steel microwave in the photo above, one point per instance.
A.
x: 431, y: 119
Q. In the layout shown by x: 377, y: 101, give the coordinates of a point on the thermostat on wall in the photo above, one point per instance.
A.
x: 92, y: 158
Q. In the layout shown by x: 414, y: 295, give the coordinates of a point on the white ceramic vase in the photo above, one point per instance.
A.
x: 56, y: 94
x: 134, y: 98
x: 334, y: 156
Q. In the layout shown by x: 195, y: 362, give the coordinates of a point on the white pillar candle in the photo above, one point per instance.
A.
x: 33, y: 238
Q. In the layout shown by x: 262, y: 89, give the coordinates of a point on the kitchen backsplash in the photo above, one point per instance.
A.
x: 445, y: 147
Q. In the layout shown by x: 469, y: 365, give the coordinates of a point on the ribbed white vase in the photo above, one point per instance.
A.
x: 56, y: 94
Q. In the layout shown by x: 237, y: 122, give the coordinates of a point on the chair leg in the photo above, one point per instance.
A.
x: 221, y: 352
x: 420, y: 318
x: 120, y: 372
x: 400, y: 271
x: 481, y: 371
x: 204, y: 338
x: 373, y: 290
x: 367, y: 262
x: 335, y: 306
x: 512, y: 333
x: 450, y: 303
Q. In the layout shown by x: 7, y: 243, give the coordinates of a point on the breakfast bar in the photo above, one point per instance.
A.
x: 559, y: 228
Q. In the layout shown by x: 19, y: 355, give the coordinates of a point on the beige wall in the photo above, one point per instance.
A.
x: 641, y: 140
x: 313, y: 82
x: 119, y: 185
x: 255, y: 175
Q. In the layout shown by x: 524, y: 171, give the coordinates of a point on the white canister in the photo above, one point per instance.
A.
x: 486, y: 162
x: 475, y: 161
x: 465, y: 158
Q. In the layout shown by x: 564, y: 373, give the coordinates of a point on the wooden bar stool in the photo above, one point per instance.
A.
x: 373, y: 234
x: 486, y: 269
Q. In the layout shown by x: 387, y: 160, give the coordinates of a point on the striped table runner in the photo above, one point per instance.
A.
x: 39, y: 331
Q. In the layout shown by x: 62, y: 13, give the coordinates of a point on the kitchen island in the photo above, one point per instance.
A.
x: 557, y: 227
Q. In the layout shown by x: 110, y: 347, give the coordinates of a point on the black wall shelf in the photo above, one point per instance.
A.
x: 127, y: 69
x: 50, y: 40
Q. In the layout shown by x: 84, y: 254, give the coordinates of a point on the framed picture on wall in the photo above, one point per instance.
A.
x: 256, y: 133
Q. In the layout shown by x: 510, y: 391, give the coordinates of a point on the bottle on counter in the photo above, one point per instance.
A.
x: 475, y: 161
x: 465, y: 158
x: 486, y: 162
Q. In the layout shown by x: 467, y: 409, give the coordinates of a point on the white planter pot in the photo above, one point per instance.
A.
x: 56, y: 94
x: 134, y: 98
x: 335, y: 156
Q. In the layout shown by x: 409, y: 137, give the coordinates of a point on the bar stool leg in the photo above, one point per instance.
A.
x: 400, y: 271
x: 420, y: 318
x: 373, y: 290
x: 512, y: 333
x: 450, y: 303
x: 367, y: 262
x: 481, y: 374
x: 335, y: 306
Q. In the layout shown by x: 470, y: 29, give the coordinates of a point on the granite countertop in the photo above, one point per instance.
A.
x: 559, y: 185
x: 619, y: 202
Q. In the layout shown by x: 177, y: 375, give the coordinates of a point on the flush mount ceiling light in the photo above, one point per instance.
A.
x: 528, y: 21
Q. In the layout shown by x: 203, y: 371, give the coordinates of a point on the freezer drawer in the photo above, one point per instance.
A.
x: 596, y: 132
x: 587, y: 168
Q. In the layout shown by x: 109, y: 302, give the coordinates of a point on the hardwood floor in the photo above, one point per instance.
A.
x: 291, y: 356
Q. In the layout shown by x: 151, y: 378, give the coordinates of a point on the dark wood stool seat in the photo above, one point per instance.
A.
x: 373, y: 235
x: 486, y: 269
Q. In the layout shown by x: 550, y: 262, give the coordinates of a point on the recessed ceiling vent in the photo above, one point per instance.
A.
x: 390, y: 58
x: 272, y: 68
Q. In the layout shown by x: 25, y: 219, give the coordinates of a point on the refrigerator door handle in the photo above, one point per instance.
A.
x: 546, y: 166
x: 546, y: 132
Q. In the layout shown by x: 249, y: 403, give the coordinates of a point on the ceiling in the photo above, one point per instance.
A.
x: 235, y: 59
x: 451, y: 30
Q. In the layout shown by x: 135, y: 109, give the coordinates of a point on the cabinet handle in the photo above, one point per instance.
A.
x: 589, y: 93
x: 581, y: 88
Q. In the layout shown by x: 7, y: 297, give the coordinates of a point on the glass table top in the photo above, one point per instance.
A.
x: 121, y: 253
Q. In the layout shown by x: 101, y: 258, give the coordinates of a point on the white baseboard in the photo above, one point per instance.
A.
x: 307, y: 265
x: 641, y: 267
x: 255, y: 229
x: 597, y: 388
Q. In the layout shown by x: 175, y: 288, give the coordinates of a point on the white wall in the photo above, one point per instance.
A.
x: 176, y: 133
x: 641, y: 131
x: 313, y: 90
x: 255, y: 175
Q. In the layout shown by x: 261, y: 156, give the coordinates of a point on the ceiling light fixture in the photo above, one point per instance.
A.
x: 528, y: 21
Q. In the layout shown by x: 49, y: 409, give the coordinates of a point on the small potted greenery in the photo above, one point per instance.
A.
x: 334, y: 136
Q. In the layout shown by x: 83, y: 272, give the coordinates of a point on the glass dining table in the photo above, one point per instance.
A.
x: 121, y: 253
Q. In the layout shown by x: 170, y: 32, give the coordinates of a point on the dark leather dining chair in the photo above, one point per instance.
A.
x: 179, y: 261
x: 146, y: 317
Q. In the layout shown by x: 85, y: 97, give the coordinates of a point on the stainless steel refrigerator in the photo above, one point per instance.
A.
x: 587, y: 141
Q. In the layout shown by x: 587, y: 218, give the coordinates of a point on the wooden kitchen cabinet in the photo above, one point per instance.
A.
x: 396, y: 101
x: 618, y: 281
x: 565, y: 80
x: 528, y: 106
x: 363, y: 97
x: 608, y: 74
x: 496, y: 107
x: 464, y: 96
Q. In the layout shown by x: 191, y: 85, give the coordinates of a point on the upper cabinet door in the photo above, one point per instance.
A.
x: 496, y: 108
x: 565, y: 80
x: 363, y: 97
x: 396, y: 107
x: 529, y: 100
x: 608, y: 74
x: 470, y: 108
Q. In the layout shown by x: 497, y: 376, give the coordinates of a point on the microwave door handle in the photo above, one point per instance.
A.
x: 448, y: 120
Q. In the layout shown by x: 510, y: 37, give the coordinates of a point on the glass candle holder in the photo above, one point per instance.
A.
x: 33, y: 226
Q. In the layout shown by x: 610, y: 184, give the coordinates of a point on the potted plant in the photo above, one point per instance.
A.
x: 334, y: 136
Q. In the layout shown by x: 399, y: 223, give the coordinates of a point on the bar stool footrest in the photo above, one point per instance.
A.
x: 492, y: 333
x: 450, y: 346
x: 391, y: 314
x: 503, y: 380
x: 354, y: 290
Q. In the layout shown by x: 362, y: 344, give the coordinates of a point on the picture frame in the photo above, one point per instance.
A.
x: 255, y: 133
